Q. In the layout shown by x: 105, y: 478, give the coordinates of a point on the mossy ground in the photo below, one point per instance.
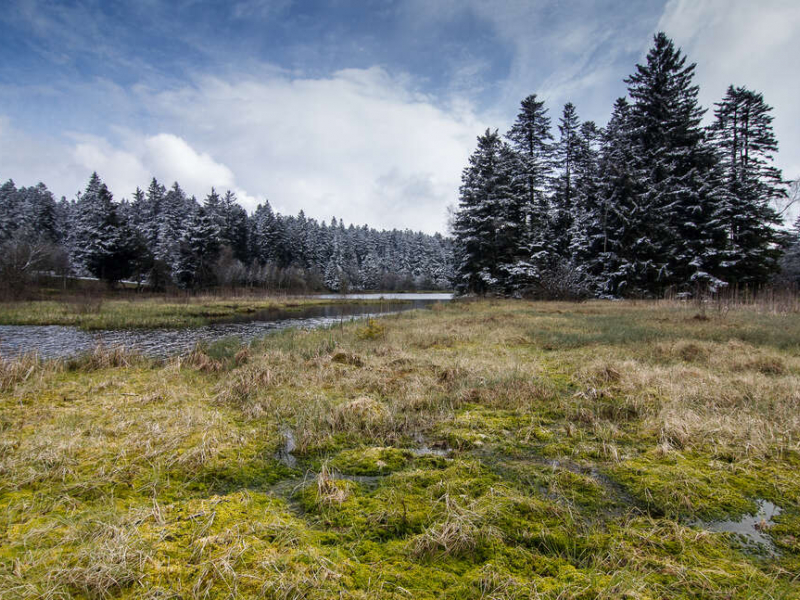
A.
x: 480, y: 450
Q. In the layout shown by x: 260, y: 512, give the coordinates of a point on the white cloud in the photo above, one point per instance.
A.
x: 170, y: 158
x: 28, y: 160
x: 65, y: 165
x: 355, y: 145
x: 746, y: 43
x: 164, y: 156
x: 121, y: 170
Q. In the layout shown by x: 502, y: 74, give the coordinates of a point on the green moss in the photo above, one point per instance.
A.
x: 687, y: 486
x: 372, y: 461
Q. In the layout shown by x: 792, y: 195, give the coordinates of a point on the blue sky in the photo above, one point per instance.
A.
x: 365, y: 110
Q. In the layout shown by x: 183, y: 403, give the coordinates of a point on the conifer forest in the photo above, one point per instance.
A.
x: 162, y: 238
x: 652, y: 202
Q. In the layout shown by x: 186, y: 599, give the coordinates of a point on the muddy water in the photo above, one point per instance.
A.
x: 62, y: 342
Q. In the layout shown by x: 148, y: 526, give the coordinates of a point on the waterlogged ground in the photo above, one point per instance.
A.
x: 479, y: 450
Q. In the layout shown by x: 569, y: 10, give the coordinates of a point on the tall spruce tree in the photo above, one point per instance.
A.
x: 151, y: 218
x: 565, y: 185
x: 102, y: 244
x: 530, y: 138
x: 234, y: 226
x: 683, y: 243
x: 10, y: 210
x: 490, y: 224
x: 586, y: 219
x: 743, y: 134
x: 620, y: 223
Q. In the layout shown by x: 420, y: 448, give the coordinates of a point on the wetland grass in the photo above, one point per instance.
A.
x: 580, y: 449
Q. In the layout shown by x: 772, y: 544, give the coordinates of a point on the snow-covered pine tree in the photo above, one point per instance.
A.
x: 310, y: 241
x: 490, y: 223
x: 100, y: 241
x: 743, y: 134
x: 137, y: 211
x: 10, y: 202
x: 151, y: 216
x: 36, y: 214
x: 370, y: 273
x: 198, y: 251
x: 679, y: 246
x: 566, y: 152
x: 334, y: 276
x: 586, y: 213
x: 530, y: 138
x: 172, y: 223
x: 234, y: 226
x: 614, y: 233
x: 214, y: 211
x: 473, y: 220
x: 265, y: 234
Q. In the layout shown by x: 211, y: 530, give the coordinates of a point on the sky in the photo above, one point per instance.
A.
x: 363, y: 110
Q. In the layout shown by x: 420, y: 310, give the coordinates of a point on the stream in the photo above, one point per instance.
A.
x: 55, y: 341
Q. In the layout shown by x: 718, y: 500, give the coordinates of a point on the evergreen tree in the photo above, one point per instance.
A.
x: 565, y: 189
x: 102, y: 244
x: 746, y: 144
x: 265, y: 234
x: 198, y: 251
x: 490, y: 225
x: 171, y: 224
x: 233, y: 232
x: 151, y: 216
x: 682, y: 242
x: 619, y: 224
x: 530, y: 138
x: 9, y: 210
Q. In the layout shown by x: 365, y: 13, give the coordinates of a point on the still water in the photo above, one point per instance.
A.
x: 61, y: 342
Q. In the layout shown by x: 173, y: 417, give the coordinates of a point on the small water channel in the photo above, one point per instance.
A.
x: 52, y: 341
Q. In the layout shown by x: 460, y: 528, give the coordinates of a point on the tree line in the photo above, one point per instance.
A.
x: 162, y: 238
x: 653, y: 202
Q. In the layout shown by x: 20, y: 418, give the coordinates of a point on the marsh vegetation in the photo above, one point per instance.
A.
x: 493, y: 449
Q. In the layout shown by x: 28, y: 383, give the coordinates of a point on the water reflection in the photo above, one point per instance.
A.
x: 752, y: 527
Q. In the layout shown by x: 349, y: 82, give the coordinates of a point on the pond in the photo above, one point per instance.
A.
x: 62, y: 342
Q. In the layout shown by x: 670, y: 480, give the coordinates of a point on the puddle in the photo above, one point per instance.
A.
x: 285, y: 453
x: 425, y: 449
x: 428, y: 451
x: 752, y: 527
